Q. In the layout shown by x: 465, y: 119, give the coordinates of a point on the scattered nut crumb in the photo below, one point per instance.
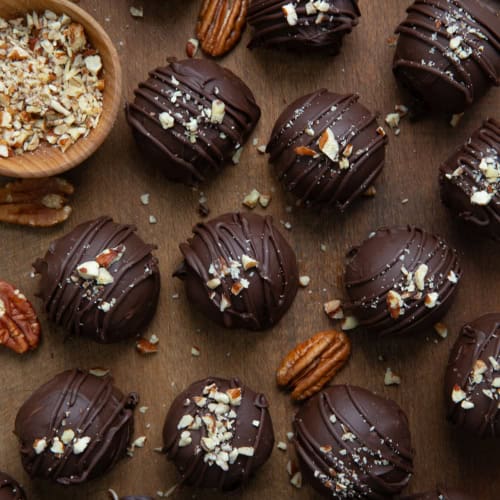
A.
x: 264, y: 200
x: 251, y: 199
x: 333, y: 309
x: 304, y: 281
x: 455, y: 119
x: 137, y: 11
x: 145, y: 198
x: 391, y: 378
x: 195, y: 351
x: 370, y: 192
x: 441, y: 330
x: 152, y: 219
x: 192, y: 47
x: 143, y: 409
x: 349, y: 323
x: 404, y: 201
x: 262, y: 148
x: 282, y: 446
x: 296, y: 480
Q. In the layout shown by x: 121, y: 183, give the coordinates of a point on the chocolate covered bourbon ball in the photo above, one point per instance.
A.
x: 351, y: 443
x: 218, y: 432
x: 75, y: 427
x: 472, y: 381
x: 327, y: 149
x: 440, y: 494
x: 10, y: 488
x: 306, y: 25
x: 448, y: 52
x: 400, y: 280
x: 470, y: 180
x: 191, y: 118
x: 100, y: 281
x: 239, y: 271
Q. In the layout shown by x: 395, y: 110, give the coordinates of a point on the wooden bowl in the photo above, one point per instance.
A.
x: 50, y: 160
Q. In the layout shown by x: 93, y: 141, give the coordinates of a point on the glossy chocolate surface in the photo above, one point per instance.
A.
x: 104, y: 313
x: 255, y: 298
x: 218, y: 432
x: 75, y: 427
x: 319, y: 181
x: 190, y: 145
x: 352, y: 443
x: 405, y: 262
x: 10, y: 488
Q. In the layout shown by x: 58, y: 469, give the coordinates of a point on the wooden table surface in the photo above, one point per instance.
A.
x: 112, y: 181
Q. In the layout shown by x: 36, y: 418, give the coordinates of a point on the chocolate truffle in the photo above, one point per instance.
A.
x: 327, y: 149
x: 351, y: 443
x: 448, y: 53
x: 306, y: 26
x: 75, y: 427
x: 470, y: 180
x: 400, y: 280
x: 239, y: 271
x: 100, y: 281
x: 10, y: 488
x: 191, y: 118
x: 472, y: 379
x: 218, y: 432
x: 440, y: 494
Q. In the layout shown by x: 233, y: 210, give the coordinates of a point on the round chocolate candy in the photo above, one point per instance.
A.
x: 400, y: 280
x: 100, y: 281
x: 10, y: 488
x: 470, y: 180
x: 303, y: 26
x: 440, y: 494
x: 472, y: 379
x: 191, y: 118
x: 351, y: 443
x: 327, y: 149
x: 218, y: 432
x: 448, y: 52
x: 75, y: 427
x: 239, y: 271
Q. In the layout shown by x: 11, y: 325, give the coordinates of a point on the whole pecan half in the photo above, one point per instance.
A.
x: 19, y: 326
x: 313, y: 363
x: 220, y: 24
x: 35, y: 202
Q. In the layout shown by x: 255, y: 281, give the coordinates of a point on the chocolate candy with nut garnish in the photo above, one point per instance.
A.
x: 441, y: 494
x: 470, y: 180
x: 239, y: 271
x: 306, y: 26
x: 401, y: 280
x: 10, y: 488
x: 448, y: 53
x: 191, y: 118
x: 472, y: 381
x: 218, y: 432
x: 100, y: 281
x: 75, y: 427
x: 327, y: 149
x: 351, y: 443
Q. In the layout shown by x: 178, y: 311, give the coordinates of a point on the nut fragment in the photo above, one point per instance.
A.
x: 313, y: 363
x: 35, y: 202
x: 220, y: 23
x: 192, y: 47
x: 146, y: 347
x: 19, y: 326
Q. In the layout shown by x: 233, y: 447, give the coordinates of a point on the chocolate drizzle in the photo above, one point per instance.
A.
x: 107, y: 313
x: 440, y: 493
x: 321, y: 30
x: 88, y: 407
x: 318, y: 181
x: 353, y: 444
x: 252, y: 434
x: 387, y: 262
x: 217, y: 250
x: 448, y: 53
x: 10, y: 488
x: 475, y: 168
x: 474, y: 368
x: 191, y: 148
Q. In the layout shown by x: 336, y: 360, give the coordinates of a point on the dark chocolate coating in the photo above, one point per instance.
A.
x: 186, y: 90
x: 457, y: 186
x: 10, y: 488
x: 444, y: 77
x: 378, y: 267
x: 352, y: 443
x: 272, y: 285
x: 478, y: 342
x: 440, y: 494
x: 133, y: 295
x: 251, y: 427
x: 321, y: 182
x: 88, y: 406
x: 319, y: 32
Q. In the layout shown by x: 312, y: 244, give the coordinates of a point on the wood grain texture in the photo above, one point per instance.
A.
x: 47, y: 161
x: 114, y: 178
